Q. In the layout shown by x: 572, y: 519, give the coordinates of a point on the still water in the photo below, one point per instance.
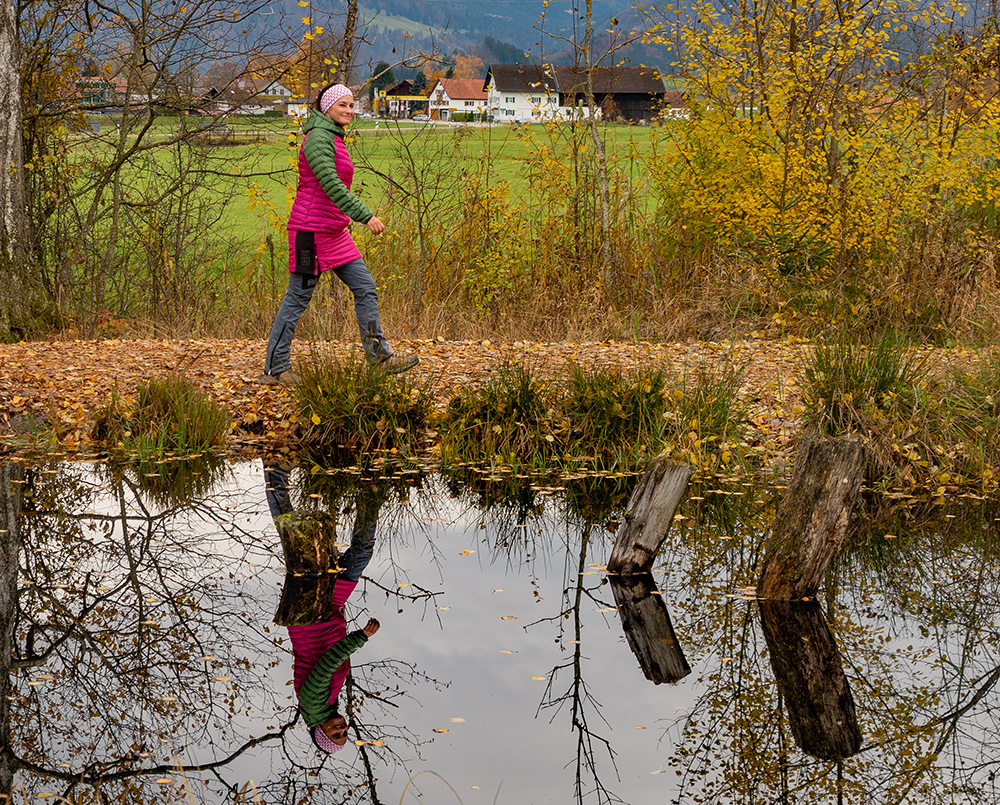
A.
x: 147, y: 667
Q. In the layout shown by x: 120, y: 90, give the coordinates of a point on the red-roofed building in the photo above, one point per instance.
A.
x: 458, y: 96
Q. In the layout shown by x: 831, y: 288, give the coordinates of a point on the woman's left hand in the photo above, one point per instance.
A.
x: 375, y: 225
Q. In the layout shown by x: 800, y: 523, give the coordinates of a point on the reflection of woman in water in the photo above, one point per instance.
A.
x: 322, y: 650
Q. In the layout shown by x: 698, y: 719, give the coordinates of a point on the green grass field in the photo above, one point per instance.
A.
x: 500, y: 152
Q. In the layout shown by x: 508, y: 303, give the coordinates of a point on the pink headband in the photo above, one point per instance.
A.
x: 332, y: 95
x: 323, y: 742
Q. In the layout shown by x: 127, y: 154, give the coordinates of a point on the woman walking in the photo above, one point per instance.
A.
x: 319, y: 239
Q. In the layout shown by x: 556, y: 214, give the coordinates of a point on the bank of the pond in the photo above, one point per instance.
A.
x: 56, y: 387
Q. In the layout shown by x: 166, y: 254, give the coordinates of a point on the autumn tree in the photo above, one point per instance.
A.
x: 13, y: 250
x: 468, y: 67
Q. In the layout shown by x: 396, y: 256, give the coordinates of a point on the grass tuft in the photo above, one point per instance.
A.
x: 612, y: 413
x: 510, y: 418
x: 705, y: 420
x: 853, y: 388
x: 171, y: 414
x: 354, y: 406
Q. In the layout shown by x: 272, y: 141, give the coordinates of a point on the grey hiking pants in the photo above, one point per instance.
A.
x: 356, y: 276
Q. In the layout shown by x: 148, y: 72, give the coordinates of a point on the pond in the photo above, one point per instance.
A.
x: 146, y: 666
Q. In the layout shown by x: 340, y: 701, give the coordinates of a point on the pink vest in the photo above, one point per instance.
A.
x: 313, y: 211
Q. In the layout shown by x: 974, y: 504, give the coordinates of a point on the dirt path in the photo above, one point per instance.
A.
x: 67, y: 381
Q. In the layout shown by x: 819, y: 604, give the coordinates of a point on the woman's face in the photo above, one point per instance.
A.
x: 342, y: 110
x: 336, y: 727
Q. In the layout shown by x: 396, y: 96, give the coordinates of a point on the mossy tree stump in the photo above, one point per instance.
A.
x: 308, y: 539
x: 812, y: 519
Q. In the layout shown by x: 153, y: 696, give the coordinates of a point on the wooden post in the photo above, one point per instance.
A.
x: 648, y: 517
x: 810, y: 677
x: 308, y: 539
x: 647, y: 626
x: 812, y: 519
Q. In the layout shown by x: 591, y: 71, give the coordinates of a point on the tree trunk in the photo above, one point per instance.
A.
x: 11, y: 475
x: 812, y: 519
x: 648, y: 517
x: 13, y: 242
x: 647, y: 626
x: 811, y: 679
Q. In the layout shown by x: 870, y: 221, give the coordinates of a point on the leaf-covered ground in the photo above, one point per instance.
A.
x: 63, y: 383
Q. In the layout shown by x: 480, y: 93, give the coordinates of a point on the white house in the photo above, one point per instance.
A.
x: 452, y: 96
x: 522, y: 93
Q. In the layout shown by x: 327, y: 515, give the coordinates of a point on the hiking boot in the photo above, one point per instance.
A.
x: 394, y: 364
x: 286, y: 378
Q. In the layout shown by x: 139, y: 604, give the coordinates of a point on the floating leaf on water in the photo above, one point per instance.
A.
x: 507, y: 651
x: 508, y: 617
x: 537, y: 677
x: 208, y: 657
x: 44, y: 676
x: 498, y: 590
x: 457, y: 720
x: 35, y: 683
x: 403, y: 584
x: 445, y: 609
x: 726, y: 659
x: 659, y: 771
x: 575, y: 642
x: 440, y: 729
x: 169, y: 699
x: 165, y: 780
x: 606, y: 609
x: 640, y: 727
x: 223, y: 679
x: 466, y: 553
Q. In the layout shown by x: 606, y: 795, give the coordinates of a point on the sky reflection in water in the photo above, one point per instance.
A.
x: 466, y: 659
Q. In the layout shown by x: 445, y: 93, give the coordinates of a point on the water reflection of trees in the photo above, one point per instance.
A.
x: 914, y: 616
x: 138, y: 631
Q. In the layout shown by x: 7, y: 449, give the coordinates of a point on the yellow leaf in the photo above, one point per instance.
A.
x: 466, y: 553
x: 315, y: 419
x: 538, y: 677
x: 440, y: 729
x: 508, y: 617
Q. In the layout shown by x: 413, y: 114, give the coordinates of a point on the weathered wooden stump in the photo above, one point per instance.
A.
x: 811, y: 679
x: 648, y: 629
x: 648, y: 517
x: 308, y: 540
x: 812, y: 519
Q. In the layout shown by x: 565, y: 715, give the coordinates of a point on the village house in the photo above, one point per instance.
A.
x: 521, y: 93
x: 454, y: 98
x: 529, y: 93
x: 623, y: 92
x: 399, y: 101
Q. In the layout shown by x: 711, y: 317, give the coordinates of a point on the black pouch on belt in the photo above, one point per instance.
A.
x: 305, y: 254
